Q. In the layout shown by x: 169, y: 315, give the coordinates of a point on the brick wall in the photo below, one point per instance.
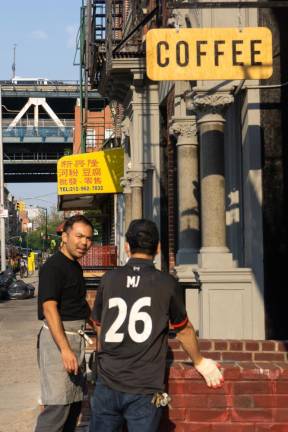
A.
x: 254, y: 397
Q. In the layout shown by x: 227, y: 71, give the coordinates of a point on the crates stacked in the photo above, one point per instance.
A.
x: 100, y: 256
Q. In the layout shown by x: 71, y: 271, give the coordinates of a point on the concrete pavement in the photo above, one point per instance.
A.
x: 19, y: 379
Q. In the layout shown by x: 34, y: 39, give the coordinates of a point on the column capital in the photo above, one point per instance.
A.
x: 209, y: 107
x: 136, y: 178
x: 184, y: 129
x: 125, y: 182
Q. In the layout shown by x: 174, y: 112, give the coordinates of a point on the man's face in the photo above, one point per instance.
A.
x: 77, y: 240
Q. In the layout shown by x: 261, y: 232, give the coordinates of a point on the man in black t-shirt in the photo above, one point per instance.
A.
x: 132, y: 312
x: 63, y: 307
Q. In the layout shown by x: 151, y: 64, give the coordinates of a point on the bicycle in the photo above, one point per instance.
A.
x: 23, y: 269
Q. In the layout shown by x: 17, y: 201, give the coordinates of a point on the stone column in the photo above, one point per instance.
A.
x: 136, y: 170
x: 184, y: 129
x: 211, y: 111
x: 136, y: 194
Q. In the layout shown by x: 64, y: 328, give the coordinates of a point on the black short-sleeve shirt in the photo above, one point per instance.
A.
x: 61, y: 279
x: 134, y: 306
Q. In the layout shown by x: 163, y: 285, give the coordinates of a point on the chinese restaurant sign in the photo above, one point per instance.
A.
x: 90, y: 173
x: 209, y: 54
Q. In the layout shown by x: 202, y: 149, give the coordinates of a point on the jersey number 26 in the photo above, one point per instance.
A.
x: 135, y: 315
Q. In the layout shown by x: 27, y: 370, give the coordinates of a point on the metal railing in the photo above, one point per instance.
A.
x: 22, y: 132
x: 35, y: 157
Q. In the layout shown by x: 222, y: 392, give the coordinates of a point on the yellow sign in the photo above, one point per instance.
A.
x: 209, y: 54
x: 91, y: 173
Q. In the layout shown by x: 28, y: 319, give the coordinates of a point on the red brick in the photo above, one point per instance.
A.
x: 232, y: 427
x: 251, y: 346
x: 269, y: 356
x: 268, y: 346
x: 177, y: 355
x: 281, y: 387
x: 260, y: 374
x: 236, y: 346
x: 280, y: 415
x: 264, y: 401
x: 231, y: 373
x: 208, y: 415
x: 205, y: 345
x: 271, y: 427
x: 201, y: 401
x: 237, y: 356
x: 243, y: 401
x: 189, y: 401
x: 212, y: 355
x: 221, y: 345
x: 252, y: 415
x: 191, y: 427
x: 252, y: 387
x: 282, y: 346
x: 196, y: 387
x: 177, y: 414
x: 281, y: 401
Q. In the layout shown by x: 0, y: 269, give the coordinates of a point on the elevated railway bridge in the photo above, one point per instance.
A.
x: 38, y: 127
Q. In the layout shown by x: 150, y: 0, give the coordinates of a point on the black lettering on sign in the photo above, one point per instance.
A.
x: 236, y: 52
x: 199, y: 52
x: 184, y: 51
x: 255, y: 52
x: 217, y: 52
x: 162, y: 62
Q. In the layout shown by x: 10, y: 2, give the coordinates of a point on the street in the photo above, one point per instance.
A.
x: 19, y: 381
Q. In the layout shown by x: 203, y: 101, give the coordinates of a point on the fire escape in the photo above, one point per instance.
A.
x: 97, y: 19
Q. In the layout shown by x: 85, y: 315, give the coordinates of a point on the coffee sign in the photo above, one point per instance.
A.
x: 209, y: 54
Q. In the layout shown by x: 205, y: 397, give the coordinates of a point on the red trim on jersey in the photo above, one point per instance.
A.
x: 181, y: 324
x: 98, y: 323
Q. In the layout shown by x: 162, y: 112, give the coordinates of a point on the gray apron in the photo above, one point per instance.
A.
x: 58, y: 387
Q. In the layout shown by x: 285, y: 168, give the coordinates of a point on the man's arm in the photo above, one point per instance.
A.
x: 187, y: 338
x: 56, y: 327
x: 206, y: 367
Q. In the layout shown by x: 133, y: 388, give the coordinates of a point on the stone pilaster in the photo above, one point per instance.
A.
x: 184, y: 130
x: 211, y: 110
x: 125, y: 183
x: 136, y: 185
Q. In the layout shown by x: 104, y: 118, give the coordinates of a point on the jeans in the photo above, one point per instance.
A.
x: 110, y: 408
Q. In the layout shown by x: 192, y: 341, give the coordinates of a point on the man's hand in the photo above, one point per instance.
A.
x: 70, y: 361
x: 208, y: 368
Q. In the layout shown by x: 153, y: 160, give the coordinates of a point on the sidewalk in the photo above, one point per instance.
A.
x: 19, y: 380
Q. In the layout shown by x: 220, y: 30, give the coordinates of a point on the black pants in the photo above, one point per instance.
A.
x: 58, y: 418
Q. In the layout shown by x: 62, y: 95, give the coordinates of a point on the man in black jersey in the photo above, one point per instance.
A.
x: 132, y: 311
x: 63, y: 307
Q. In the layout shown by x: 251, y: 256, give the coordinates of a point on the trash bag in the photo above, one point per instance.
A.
x: 6, y: 278
x: 30, y: 290
x: 19, y: 290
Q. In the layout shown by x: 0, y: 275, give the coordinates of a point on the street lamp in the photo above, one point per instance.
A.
x: 2, y: 222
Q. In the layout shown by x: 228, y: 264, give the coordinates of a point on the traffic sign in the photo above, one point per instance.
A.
x: 209, y: 54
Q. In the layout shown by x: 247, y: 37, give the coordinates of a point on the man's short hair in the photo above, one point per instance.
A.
x: 143, y: 236
x: 68, y: 225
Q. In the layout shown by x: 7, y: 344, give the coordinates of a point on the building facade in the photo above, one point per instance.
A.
x: 207, y: 161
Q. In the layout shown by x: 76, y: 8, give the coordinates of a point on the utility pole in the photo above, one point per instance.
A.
x: 2, y: 220
x: 14, y: 61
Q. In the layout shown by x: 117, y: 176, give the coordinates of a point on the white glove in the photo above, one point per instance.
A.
x: 209, y: 370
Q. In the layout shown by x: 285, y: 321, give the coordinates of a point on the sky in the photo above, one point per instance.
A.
x: 45, y: 36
